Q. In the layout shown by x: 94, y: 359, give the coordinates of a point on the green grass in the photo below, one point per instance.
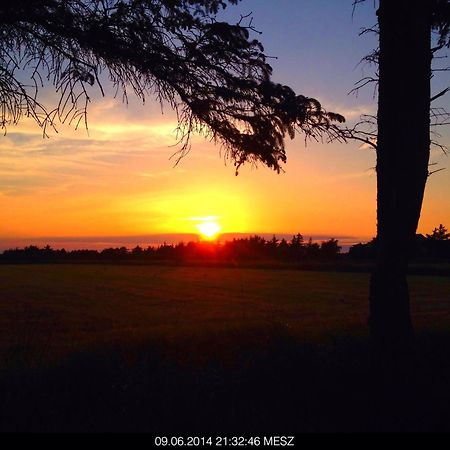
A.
x: 100, y: 347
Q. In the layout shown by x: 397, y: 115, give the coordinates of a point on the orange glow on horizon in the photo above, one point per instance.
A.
x: 113, y: 183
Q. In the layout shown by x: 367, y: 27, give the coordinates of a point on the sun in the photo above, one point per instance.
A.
x: 209, y: 229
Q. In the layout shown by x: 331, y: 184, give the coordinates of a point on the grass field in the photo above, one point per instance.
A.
x: 101, y: 347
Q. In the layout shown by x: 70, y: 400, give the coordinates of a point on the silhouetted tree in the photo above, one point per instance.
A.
x: 439, y: 234
x: 283, y: 250
x: 297, y: 247
x: 137, y: 251
x: 403, y: 149
x: 363, y: 251
x: 402, y: 144
x: 272, y: 246
x: 330, y: 249
x: 213, y: 73
x: 437, y: 244
x: 312, y: 249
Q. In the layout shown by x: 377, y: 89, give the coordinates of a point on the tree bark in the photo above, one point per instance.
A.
x: 403, y: 150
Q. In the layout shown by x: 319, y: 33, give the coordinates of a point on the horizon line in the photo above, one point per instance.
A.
x: 156, y: 239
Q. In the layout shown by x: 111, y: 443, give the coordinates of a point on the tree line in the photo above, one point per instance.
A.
x: 254, y: 248
x: 432, y: 247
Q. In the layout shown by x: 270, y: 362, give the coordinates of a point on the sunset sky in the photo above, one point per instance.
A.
x: 117, y: 183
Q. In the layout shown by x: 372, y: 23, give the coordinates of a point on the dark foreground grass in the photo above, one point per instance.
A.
x: 110, y: 348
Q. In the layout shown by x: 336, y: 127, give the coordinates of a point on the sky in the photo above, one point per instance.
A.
x: 117, y: 183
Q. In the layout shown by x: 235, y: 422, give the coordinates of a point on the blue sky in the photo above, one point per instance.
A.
x: 316, y: 43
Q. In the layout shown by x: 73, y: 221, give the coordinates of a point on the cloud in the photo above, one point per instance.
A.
x: 369, y: 173
x: 353, y: 113
x: 32, y: 163
x: 23, y: 185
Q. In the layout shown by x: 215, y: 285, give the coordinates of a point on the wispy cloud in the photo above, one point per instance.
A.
x: 30, y: 162
x: 353, y: 113
x: 369, y: 173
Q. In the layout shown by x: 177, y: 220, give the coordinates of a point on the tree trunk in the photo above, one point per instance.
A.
x: 402, y: 163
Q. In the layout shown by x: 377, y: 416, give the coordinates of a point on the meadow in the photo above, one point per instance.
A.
x: 155, y: 348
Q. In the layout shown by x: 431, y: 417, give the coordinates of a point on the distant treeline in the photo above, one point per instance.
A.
x: 432, y: 247
x: 253, y: 248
